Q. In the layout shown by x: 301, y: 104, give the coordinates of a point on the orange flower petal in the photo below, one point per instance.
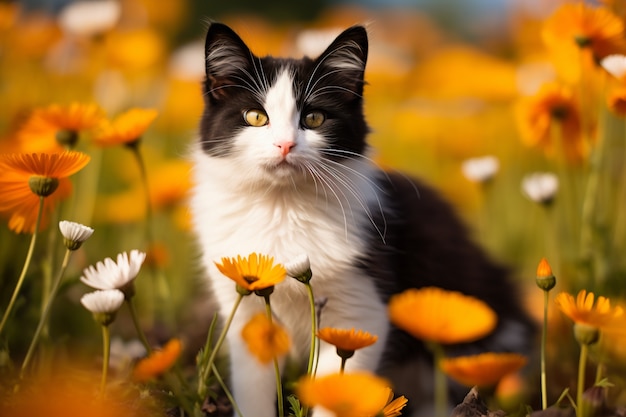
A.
x: 581, y: 309
x: 346, y: 339
x: 158, y: 362
x: 265, y: 339
x: 254, y: 272
x: 485, y: 369
x: 346, y: 395
x: 441, y: 316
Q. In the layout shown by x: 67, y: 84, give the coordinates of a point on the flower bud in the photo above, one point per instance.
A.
x: 300, y: 268
x: 545, y: 278
x: 593, y: 401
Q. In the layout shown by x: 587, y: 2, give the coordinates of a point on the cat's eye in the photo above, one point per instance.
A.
x: 255, y: 117
x: 314, y: 119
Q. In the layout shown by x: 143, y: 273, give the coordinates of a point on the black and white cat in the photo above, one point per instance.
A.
x: 282, y: 168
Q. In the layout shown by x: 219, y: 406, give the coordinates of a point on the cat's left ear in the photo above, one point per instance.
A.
x: 347, y: 54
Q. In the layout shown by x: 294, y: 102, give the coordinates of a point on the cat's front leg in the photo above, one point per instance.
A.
x: 253, y: 384
x: 366, y: 359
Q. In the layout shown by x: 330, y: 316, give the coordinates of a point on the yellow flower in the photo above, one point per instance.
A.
x: 346, y: 395
x: 26, y: 177
x: 127, y: 128
x: 579, y: 25
x: 441, y: 316
x: 265, y: 339
x: 583, y: 311
x: 347, y: 340
x: 553, y: 106
x: 485, y: 369
x: 158, y: 362
x: 256, y: 272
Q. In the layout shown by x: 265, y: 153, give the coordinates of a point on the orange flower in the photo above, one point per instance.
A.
x: 74, y: 393
x: 265, y: 339
x: 256, y: 272
x: 346, y: 395
x: 393, y: 408
x: 537, y: 116
x: 125, y: 129
x: 158, y: 362
x: 26, y: 177
x: 611, y: 348
x: 583, y: 311
x: 582, y: 26
x: 73, y: 116
x: 347, y: 340
x: 485, y: 369
x: 441, y: 316
x: 616, y: 101
x: 52, y: 127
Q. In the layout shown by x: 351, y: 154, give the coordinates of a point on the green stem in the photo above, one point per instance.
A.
x: 544, y: 338
x: 582, y: 364
x: 205, y: 372
x: 162, y: 286
x: 29, y: 257
x: 313, y: 351
x: 47, y: 266
x: 45, y: 313
x: 309, y: 368
x: 441, y: 384
x: 106, y: 347
x: 230, y: 397
x: 144, y: 180
x: 599, y: 372
x: 140, y: 333
x: 279, y: 385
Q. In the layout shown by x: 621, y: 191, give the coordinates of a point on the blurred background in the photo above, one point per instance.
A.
x: 448, y: 81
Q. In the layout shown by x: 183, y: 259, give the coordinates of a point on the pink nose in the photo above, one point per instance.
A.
x: 284, y: 147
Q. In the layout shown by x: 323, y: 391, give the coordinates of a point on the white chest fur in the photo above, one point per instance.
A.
x: 327, y: 224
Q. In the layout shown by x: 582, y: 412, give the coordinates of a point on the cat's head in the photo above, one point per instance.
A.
x: 279, y: 118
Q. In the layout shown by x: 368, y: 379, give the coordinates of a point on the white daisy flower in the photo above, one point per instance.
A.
x: 299, y: 268
x: 615, y: 65
x: 540, y: 187
x: 87, y: 18
x: 119, y: 275
x: 480, y: 169
x: 103, y: 301
x: 74, y: 234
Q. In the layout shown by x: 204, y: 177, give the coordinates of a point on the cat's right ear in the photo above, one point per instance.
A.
x: 226, y: 57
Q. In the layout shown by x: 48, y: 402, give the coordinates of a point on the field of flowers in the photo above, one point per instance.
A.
x: 523, y: 130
